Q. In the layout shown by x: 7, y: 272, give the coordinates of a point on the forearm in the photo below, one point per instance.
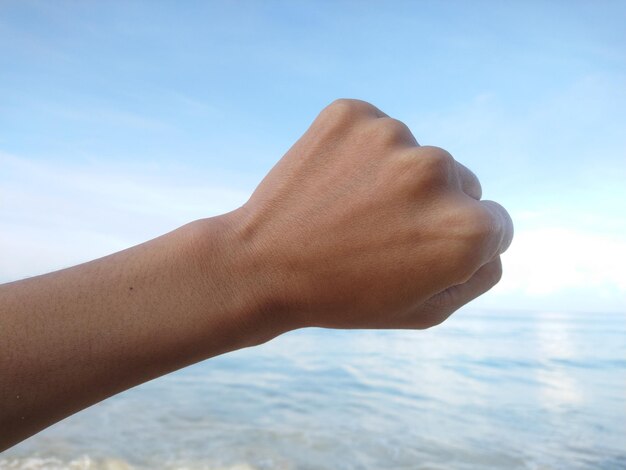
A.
x: 76, y: 336
x: 355, y: 227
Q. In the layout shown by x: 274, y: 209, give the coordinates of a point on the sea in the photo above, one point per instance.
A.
x: 484, y: 390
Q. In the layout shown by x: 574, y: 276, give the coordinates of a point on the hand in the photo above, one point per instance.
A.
x: 357, y: 226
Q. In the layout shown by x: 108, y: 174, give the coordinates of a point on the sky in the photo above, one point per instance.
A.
x: 121, y: 120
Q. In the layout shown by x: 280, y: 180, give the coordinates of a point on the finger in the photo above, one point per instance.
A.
x: 501, y: 234
x: 445, y: 303
x: 468, y: 181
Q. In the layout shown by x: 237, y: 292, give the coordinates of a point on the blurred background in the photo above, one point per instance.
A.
x: 121, y: 120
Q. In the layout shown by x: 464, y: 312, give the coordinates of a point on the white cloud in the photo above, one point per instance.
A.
x: 563, y: 267
x: 552, y: 259
x: 54, y: 215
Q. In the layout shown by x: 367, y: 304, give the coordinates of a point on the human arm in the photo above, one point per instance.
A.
x: 356, y: 227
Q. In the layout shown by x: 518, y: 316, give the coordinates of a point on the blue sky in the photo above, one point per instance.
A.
x: 121, y: 120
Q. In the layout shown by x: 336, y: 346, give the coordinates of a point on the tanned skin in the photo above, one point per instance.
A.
x: 357, y: 226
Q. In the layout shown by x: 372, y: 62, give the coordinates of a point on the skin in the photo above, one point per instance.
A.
x: 357, y: 226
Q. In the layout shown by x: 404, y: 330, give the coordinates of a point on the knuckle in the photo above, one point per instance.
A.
x: 436, y: 159
x: 435, y: 166
x: 392, y: 131
x: 339, y: 113
x: 344, y: 108
x: 341, y: 105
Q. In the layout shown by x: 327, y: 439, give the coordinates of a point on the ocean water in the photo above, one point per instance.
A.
x: 503, y: 390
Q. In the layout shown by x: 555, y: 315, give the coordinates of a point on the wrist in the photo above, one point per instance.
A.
x: 236, y: 275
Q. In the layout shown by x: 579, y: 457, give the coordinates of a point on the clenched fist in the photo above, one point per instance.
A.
x: 358, y: 226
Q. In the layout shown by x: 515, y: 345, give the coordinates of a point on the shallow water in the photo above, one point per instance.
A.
x: 483, y: 390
